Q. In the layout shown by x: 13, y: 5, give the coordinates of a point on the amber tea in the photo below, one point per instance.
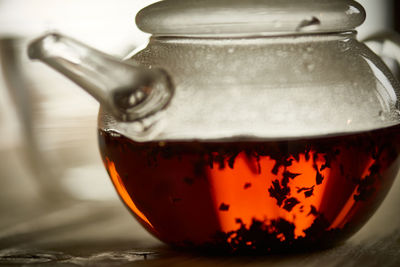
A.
x: 254, y: 195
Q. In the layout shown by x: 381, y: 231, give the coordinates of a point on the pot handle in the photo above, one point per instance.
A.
x: 387, y: 46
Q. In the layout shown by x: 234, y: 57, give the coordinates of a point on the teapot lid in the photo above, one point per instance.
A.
x: 249, y: 17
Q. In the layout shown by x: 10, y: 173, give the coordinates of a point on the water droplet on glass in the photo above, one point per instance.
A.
x: 281, y: 53
x: 344, y: 46
x: 382, y: 115
x: 310, y: 67
x: 114, y: 134
x: 309, y: 24
x: 277, y: 24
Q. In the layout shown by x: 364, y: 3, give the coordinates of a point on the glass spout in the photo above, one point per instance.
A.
x: 126, y: 90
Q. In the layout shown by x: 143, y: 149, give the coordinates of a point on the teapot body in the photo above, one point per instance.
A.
x: 268, y: 144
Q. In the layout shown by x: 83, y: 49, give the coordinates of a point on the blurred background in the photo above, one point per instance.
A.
x: 48, y: 139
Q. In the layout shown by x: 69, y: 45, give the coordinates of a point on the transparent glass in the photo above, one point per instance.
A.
x: 269, y: 144
x: 268, y: 88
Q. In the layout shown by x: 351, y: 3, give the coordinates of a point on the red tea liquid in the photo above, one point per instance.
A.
x: 254, y: 195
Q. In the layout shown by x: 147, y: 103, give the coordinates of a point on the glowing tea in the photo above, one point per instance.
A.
x: 254, y: 195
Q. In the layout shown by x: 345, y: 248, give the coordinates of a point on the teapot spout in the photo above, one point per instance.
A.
x: 129, y: 92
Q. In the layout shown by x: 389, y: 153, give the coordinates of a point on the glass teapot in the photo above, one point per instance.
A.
x: 243, y: 125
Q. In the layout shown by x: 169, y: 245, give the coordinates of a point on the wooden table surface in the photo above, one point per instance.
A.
x: 103, y: 233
